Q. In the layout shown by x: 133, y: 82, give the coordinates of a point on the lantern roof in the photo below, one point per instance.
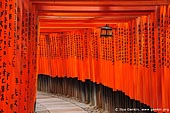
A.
x: 107, y: 27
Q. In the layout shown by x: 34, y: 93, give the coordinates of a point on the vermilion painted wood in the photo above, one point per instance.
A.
x: 93, y: 14
x: 44, y: 25
x: 94, y: 8
x: 143, y: 75
x: 103, y: 3
x: 84, y: 21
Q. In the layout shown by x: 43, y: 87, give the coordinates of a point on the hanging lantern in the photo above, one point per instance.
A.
x: 106, y: 31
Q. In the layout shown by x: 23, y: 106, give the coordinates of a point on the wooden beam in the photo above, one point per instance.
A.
x: 93, y: 14
x: 52, y: 30
x: 102, y: 3
x: 101, y: 18
x: 45, y: 25
x: 95, y: 8
x: 90, y: 21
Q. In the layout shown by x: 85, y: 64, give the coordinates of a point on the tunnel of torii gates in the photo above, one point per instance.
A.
x: 59, y: 39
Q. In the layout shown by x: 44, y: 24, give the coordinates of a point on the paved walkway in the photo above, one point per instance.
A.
x: 48, y: 103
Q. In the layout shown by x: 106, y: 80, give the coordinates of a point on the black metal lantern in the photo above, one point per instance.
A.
x: 106, y: 31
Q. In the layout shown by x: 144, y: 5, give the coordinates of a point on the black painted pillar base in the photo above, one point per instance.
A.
x: 97, y: 95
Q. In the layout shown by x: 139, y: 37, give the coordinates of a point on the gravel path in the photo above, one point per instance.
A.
x: 49, y: 103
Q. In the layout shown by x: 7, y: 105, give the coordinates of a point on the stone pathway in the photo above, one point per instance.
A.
x: 48, y: 103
